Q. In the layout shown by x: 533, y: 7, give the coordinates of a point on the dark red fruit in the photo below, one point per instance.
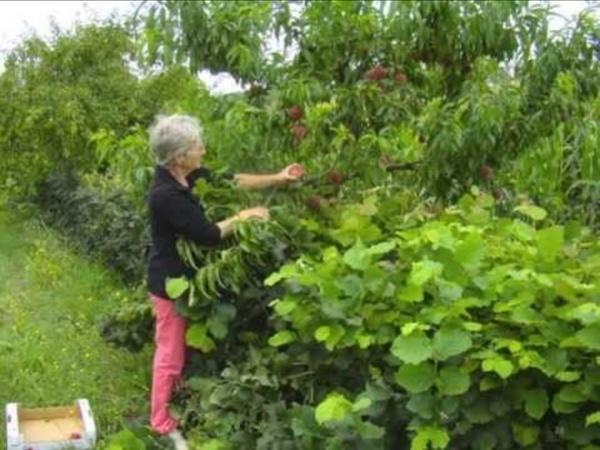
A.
x: 295, y: 112
x: 400, y: 78
x: 334, y: 177
x: 296, y: 171
x: 299, y: 132
x: 376, y: 73
x: 313, y: 203
x: 486, y: 173
x: 498, y: 195
x: 75, y: 436
x: 422, y: 139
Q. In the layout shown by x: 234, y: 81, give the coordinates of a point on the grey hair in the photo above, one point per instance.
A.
x: 171, y: 136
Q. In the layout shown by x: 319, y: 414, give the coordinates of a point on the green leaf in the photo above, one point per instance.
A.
x: 286, y: 306
x: 378, y: 393
x: 430, y: 437
x: 485, y: 441
x: 470, y: 252
x: 449, y: 291
x: 175, y: 287
x: 472, y: 326
x: 452, y: 382
x: 412, y: 349
x: 586, y: 313
x: 361, y: 404
x: 196, y: 337
x: 479, y: 412
x: 449, y: 342
x: 322, y: 333
x: 550, y: 241
x: 536, y: 403
x: 533, y: 212
x: 561, y: 407
x: 364, y: 340
x: 369, y: 206
x: 369, y: 431
x: 450, y: 405
x: 501, y: 366
x: 217, y: 326
x: 411, y: 293
x: 381, y: 248
x: 523, y: 231
x: 286, y: 271
x: 357, y: 257
x: 423, y: 271
x: 351, y: 285
x: 334, y: 408
x: 126, y: 440
x: 592, y: 419
x: 422, y: 404
x: 524, y: 434
x: 214, y: 444
x: 281, y: 338
x: 568, y: 376
x: 571, y: 394
x: 337, y: 332
x: 489, y: 383
x: 526, y: 315
x: 590, y: 336
x: 415, y: 379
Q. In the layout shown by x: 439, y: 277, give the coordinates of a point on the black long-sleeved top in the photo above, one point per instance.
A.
x: 175, y: 212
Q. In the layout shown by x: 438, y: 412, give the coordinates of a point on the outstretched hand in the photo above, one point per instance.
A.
x: 293, y: 172
x: 259, y: 212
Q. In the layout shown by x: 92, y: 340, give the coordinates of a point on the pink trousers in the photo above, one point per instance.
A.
x: 169, y: 357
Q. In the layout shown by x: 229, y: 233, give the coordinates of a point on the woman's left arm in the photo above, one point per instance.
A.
x: 249, y: 181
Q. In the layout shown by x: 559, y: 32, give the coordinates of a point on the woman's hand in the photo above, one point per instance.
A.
x: 226, y: 226
x: 259, y: 212
x: 293, y: 172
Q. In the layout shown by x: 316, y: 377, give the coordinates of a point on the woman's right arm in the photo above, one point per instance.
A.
x: 191, y: 223
x: 226, y: 226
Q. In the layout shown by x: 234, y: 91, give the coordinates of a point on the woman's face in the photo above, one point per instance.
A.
x: 193, y: 158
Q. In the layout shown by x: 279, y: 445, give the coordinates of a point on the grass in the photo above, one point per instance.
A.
x: 51, y: 352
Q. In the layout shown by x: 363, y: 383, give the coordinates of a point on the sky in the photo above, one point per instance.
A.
x: 20, y: 18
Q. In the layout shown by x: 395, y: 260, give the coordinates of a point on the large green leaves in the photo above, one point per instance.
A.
x: 359, y: 257
x: 197, y: 337
x: 416, y: 378
x: 533, y: 212
x: 430, y: 437
x: 412, y: 349
x: 424, y: 271
x: 281, y: 338
x: 550, y: 241
x: 334, y: 408
x: 590, y: 336
x: 175, y: 287
x: 450, y: 342
x: 452, y: 381
x: 536, y: 403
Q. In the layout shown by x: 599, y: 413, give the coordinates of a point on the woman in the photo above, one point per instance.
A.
x: 177, y: 144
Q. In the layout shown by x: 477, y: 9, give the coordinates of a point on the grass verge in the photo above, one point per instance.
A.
x: 51, y: 352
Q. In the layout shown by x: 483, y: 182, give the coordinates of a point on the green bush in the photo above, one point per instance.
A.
x: 100, y: 219
x: 469, y: 330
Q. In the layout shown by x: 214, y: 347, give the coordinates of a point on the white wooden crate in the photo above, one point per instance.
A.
x: 55, y: 428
